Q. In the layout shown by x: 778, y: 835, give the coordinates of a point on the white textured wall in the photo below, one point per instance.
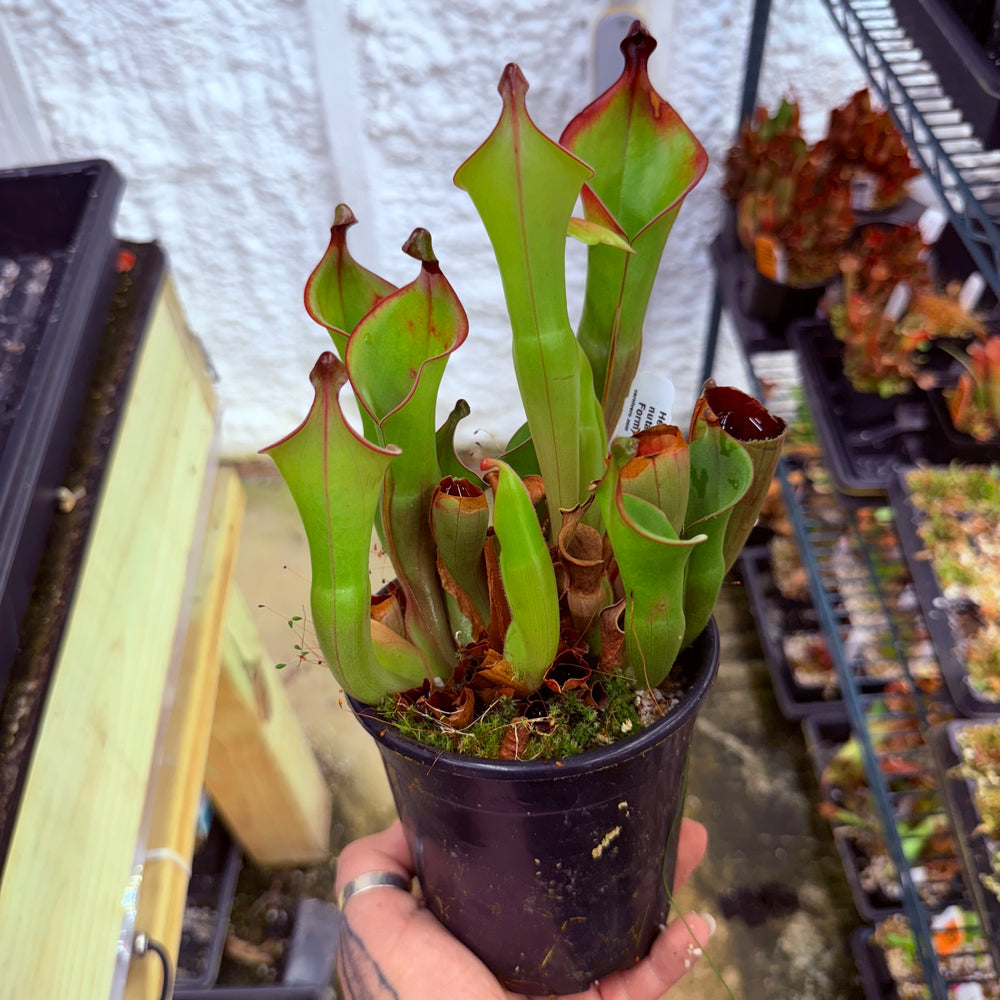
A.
x: 238, y: 132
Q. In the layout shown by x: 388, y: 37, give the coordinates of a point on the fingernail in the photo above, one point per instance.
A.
x: 710, y: 920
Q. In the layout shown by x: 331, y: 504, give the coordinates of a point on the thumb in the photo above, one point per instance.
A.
x: 673, y: 954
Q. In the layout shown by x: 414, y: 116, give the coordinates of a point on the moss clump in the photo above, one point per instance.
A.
x: 546, y: 727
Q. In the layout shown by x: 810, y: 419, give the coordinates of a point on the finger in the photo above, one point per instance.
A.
x: 673, y: 954
x: 691, y: 849
x: 386, y: 851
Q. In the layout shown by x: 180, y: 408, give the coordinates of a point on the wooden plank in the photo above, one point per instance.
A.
x: 63, y: 895
x: 262, y: 773
x: 180, y: 767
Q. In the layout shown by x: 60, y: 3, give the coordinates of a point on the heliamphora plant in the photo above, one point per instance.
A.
x: 864, y: 146
x: 890, y: 312
x: 612, y: 554
x: 788, y: 197
x: 974, y: 402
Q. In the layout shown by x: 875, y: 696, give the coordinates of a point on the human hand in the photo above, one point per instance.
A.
x: 392, y: 948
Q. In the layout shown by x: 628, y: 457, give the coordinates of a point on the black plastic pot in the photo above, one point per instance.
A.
x: 876, y: 982
x: 730, y: 261
x: 729, y: 237
x: 958, y: 445
x: 872, y: 905
x: 906, y: 212
x: 553, y: 872
x: 776, y: 305
x: 823, y: 737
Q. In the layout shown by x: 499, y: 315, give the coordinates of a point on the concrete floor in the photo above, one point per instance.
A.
x: 771, y: 862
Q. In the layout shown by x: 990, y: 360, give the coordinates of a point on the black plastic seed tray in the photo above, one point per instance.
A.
x: 215, y: 869
x: 776, y: 618
x: 57, y: 273
x: 864, y: 437
x: 976, y: 846
x: 876, y: 982
x: 872, y: 904
x: 141, y: 270
x: 936, y: 615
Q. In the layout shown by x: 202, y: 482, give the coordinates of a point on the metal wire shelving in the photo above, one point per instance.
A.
x: 964, y: 174
x: 850, y: 550
x: 875, y: 632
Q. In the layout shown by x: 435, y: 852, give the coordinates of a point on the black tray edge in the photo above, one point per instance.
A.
x: 961, y: 807
x: 795, y: 701
x: 928, y: 594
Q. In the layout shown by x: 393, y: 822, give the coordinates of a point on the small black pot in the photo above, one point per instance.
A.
x: 553, y: 872
x: 776, y: 305
x: 951, y: 443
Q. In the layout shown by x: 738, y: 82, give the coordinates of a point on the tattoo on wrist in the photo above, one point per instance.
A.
x: 361, y: 977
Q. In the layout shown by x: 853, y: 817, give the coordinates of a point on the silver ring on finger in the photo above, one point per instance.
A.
x: 373, y: 880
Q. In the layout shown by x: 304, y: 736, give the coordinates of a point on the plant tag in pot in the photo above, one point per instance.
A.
x: 770, y: 258
x: 972, y: 291
x: 931, y: 224
x: 648, y: 403
x: 899, y: 299
x: 966, y: 991
x: 863, y: 187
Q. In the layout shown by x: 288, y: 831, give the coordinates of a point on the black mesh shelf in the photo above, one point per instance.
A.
x: 963, y: 172
x: 859, y: 583
x: 863, y: 593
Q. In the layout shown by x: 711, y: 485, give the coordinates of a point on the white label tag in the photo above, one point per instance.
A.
x: 780, y: 265
x: 965, y: 991
x: 972, y: 291
x: 863, y: 187
x: 931, y: 224
x: 899, y: 299
x: 648, y: 403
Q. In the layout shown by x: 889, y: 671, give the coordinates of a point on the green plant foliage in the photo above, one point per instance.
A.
x: 524, y: 187
x: 645, y: 162
x: 532, y: 637
x: 558, y: 728
x: 575, y: 568
x: 314, y: 461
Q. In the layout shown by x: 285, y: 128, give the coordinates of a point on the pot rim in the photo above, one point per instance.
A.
x: 484, y: 768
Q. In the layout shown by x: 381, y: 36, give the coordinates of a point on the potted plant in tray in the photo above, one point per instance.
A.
x: 960, y: 951
x: 868, y: 153
x: 974, y: 401
x: 552, y: 609
x: 793, y: 216
x: 889, y: 313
